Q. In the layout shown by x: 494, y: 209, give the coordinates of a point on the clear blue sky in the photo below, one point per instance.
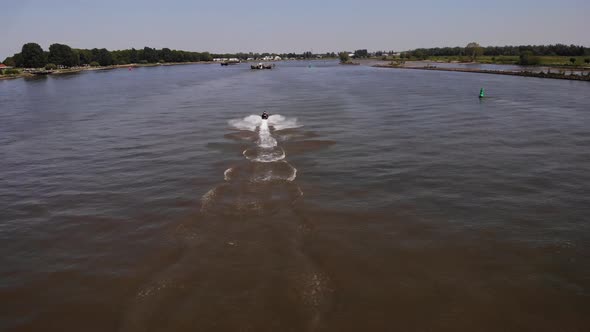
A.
x: 285, y: 26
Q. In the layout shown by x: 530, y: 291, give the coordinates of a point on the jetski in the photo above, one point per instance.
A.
x: 264, y: 116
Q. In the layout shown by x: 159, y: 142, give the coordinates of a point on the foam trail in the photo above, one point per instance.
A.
x: 293, y: 176
x: 265, y: 156
x: 266, y: 151
x: 227, y: 174
x: 266, y: 140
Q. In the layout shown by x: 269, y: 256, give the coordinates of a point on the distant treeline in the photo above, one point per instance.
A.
x: 536, y: 50
x: 33, y: 56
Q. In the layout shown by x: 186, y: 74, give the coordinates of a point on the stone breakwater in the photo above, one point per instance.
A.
x: 541, y: 74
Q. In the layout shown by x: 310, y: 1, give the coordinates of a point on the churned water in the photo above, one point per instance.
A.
x: 372, y: 199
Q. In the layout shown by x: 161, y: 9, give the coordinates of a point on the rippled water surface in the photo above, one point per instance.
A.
x: 372, y: 199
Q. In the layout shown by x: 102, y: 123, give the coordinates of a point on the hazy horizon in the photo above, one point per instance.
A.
x: 291, y: 27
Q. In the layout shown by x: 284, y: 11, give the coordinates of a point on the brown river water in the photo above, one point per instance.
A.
x: 372, y: 199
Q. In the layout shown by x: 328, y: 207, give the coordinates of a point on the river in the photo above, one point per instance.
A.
x: 372, y: 199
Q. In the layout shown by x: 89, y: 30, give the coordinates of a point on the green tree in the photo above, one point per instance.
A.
x: 150, y: 55
x: 33, y: 56
x: 104, y: 58
x: 63, y: 55
x: 205, y: 56
x: 85, y: 56
x: 587, y: 60
x: 473, y: 50
x: 361, y: 53
x: 18, y: 60
x: 133, y: 56
x: 573, y: 60
x: 10, y: 62
x: 344, y: 58
x: 166, y: 55
x: 121, y: 57
x: 57, y: 54
x: 51, y: 66
x: 74, y: 58
x: 419, y: 54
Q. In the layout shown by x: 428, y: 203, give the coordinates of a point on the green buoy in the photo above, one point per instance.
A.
x: 481, y: 93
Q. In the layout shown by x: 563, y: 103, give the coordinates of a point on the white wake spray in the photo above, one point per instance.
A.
x: 267, y: 150
x: 279, y: 122
x: 266, y: 140
x: 276, y: 121
x: 251, y: 122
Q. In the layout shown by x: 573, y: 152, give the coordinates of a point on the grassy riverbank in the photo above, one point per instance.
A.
x: 561, y: 61
x: 12, y: 73
x: 554, y: 75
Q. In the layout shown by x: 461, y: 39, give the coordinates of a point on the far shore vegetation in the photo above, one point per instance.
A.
x: 344, y: 57
x: 526, y: 55
x: 62, y: 57
x: 32, y: 55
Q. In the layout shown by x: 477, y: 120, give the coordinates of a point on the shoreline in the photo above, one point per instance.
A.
x: 82, y: 69
x: 494, y: 72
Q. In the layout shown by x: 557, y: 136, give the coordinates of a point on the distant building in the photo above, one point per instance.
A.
x: 272, y: 58
x: 3, y: 66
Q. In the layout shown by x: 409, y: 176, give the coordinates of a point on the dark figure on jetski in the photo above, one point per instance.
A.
x: 264, y: 115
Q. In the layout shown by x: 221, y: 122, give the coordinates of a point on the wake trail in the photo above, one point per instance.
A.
x: 265, y: 140
x: 199, y: 286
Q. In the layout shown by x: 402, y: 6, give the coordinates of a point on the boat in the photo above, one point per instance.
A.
x: 262, y: 66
